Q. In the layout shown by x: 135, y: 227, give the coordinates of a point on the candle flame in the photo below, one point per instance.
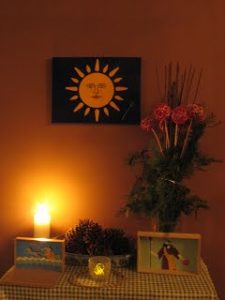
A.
x: 42, y: 215
x: 99, y: 269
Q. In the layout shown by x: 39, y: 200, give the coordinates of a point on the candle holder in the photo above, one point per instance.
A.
x: 99, y: 267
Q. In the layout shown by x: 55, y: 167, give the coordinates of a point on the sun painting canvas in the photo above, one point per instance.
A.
x: 96, y: 90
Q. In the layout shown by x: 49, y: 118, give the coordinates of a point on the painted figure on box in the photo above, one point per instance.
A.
x: 168, y: 255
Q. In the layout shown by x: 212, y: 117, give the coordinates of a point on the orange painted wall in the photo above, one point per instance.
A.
x: 80, y: 168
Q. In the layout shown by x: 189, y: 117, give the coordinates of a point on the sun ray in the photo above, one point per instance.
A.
x: 75, y: 97
x: 79, y: 72
x: 71, y: 88
x: 97, y: 113
x: 114, y: 71
x: 120, y: 88
x: 118, y: 79
x: 78, y: 107
x: 97, y: 66
x: 87, y: 110
x: 119, y: 98
x: 113, y: 105
x: 105, y: 69
x: 106, y: 111
x: 75, y: 80
x: 88, y: 69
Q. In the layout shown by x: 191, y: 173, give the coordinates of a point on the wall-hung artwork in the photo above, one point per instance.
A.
x: 96, y: 90
x: 173, y: 253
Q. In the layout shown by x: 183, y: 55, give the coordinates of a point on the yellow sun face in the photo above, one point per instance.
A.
x: 96, y: 90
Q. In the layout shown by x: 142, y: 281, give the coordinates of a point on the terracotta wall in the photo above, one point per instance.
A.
x: 80, y: 169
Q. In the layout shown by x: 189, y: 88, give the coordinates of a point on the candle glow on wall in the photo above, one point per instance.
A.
x: 42, y: 221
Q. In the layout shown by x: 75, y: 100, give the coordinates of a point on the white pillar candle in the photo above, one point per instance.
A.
x: 42, y: 222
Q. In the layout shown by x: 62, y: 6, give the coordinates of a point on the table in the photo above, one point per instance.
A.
x: 135, y: 286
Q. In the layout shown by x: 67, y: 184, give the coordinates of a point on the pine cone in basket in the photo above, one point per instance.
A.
x: 85, y: 238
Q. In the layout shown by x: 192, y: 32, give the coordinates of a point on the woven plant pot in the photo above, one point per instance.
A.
x: 117, y: 261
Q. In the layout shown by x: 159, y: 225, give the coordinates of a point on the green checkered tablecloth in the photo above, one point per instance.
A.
x: 134, y: 286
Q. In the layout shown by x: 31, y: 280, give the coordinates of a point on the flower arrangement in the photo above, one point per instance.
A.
x: 177, y: 124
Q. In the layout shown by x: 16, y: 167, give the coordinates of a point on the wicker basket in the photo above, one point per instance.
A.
x: 82, y: 260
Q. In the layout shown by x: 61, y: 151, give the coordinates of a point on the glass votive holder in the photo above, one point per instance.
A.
x: 99, y: 267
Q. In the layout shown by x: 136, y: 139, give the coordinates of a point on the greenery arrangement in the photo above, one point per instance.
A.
x: 177, y: 124
x: 90, y: 238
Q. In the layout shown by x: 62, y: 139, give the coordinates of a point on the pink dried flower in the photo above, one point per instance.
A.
x: 147, y: 124
x: 180, y: 115
x: 196, y: 111
x: 162, y: 112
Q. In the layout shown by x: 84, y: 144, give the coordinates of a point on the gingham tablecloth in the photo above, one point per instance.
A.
x: 134, y: 286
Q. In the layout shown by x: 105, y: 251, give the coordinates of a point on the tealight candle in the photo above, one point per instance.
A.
x: 99, y: 267
x: 42, y: 222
